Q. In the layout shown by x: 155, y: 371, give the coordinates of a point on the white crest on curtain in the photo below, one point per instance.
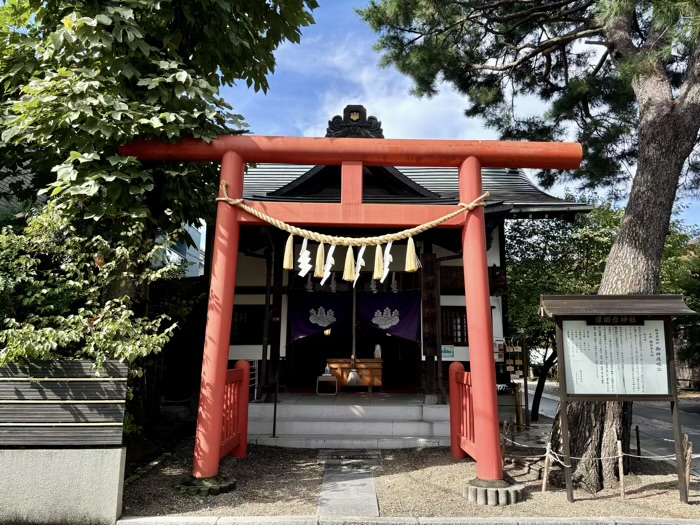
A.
x: 386, y: 319
x: 321, y: 317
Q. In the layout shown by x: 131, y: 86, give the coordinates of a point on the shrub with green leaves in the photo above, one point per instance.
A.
x: 61, y: 293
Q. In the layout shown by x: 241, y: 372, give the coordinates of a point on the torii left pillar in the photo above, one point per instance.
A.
x: 207, y: 451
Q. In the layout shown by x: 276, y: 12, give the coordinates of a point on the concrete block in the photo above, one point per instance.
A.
x: 468, y: 521
x: 169, y: 520
x: 492, y: 497
x: 436, y: 413
x: 652, y: 521
x: 322, y: 520
x: 481, y: 496
x: 413, y: 442
x: 51, y: 486
x: 504, y: 497
x: 267, y: 520
x: 412, y: 429
x: 441, y: 429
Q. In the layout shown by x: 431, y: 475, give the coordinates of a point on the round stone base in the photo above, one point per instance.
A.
x: 477, y: 491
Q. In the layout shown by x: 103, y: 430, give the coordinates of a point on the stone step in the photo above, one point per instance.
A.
x: 345, y: 427
x: 349, y: 412
x: 341, y: 442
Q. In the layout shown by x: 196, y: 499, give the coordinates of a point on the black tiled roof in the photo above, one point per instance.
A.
x: 510, y: 186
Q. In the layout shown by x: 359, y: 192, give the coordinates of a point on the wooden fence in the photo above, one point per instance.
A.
x: 62, y: 403
x: 462, y: 437
x: 234, y: 439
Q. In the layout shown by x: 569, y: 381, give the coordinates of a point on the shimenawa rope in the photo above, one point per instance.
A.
x: 350, y: 241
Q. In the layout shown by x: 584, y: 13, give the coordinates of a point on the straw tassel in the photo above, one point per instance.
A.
x: 378, y: 263
x: 411, y: 257
x: 349, y: 271
x: 320, y: 261
x: 288, y: 262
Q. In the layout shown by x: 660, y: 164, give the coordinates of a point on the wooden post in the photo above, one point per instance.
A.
x: 242, y: 410
x: 456, y: 411
x: 621, y: 468
x: 639, y: 448
x: 547, y: 464
x: 489, y: 465
x: 688, y: 464
x: 518, y: 405
x: 207, y: 451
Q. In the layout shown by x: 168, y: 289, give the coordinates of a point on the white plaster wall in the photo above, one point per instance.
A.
x: 493, y: 255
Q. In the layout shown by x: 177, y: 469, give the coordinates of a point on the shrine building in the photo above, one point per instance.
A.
x: 415, y: 321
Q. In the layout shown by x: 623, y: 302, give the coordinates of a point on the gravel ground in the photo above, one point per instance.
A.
x: 270, y: 482
x: 426, y: 482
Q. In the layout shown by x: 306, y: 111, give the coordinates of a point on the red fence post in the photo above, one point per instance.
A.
x: 487, y: 432
x: 242, y: 410
x: 456, y: 410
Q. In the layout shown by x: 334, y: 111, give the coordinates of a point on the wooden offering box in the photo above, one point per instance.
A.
x: 370, y: 371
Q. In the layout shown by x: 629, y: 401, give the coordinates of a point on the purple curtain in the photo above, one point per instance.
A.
x: 312, y: 313
x: 394, y: 313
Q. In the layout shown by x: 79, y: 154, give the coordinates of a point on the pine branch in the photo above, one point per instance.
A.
x: 547, y: 45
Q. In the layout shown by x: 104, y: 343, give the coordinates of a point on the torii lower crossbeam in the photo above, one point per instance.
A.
x: 468, y: 156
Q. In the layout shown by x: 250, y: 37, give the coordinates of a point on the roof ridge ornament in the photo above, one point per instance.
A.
x: 355, y: 124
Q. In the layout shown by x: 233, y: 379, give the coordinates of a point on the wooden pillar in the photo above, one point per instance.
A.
x: 430, y: 317
x: 489, y: 465
x: 276, y: 308
x: 220, y: 314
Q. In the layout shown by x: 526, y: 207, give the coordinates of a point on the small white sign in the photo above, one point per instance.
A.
x: 615, y: 359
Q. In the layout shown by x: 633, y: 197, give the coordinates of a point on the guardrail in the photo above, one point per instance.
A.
x: 462, y: 438
x: 234, y: 439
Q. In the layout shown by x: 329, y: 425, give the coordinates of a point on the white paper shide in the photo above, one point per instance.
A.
x: 615, y: 359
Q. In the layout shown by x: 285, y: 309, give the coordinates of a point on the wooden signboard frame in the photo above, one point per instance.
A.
x: 642, y: 307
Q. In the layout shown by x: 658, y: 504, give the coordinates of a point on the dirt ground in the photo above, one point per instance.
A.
x: 424, y: 482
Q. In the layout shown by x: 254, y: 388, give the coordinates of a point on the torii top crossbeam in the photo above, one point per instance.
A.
x: 352, y: 153
x: 371, y: 152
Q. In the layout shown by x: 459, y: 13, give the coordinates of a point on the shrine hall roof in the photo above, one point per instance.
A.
x: 276, y: 182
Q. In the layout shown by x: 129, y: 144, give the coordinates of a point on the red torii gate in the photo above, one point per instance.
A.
x: 469, y: 156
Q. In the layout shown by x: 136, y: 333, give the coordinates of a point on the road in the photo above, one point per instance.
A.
x: 654, y: 421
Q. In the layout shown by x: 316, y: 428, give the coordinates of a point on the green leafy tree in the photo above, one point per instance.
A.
x: 80, y: 78
x: 56, y: 293
x: 553, y: 257
x: 622, y: 77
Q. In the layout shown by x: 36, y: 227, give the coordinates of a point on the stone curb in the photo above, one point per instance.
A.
x: 316, y: 520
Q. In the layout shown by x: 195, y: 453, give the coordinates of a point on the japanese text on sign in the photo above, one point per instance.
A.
x: 620, y: 360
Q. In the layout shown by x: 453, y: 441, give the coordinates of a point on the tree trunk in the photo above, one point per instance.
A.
x: 666, y: 139
x: 546, y: 367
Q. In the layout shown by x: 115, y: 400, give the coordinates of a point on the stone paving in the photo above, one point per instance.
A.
x: 348, y: 483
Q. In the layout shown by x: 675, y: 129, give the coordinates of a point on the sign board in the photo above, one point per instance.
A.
x: 448, y: 351
x: 615, y: 359
x: 616, y: 348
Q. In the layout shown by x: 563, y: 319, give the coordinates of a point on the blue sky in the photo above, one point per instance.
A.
x: 334, y: 66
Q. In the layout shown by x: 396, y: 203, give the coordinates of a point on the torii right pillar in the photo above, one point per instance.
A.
x: 489, y: 461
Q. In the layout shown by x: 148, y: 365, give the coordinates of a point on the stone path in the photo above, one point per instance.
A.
x: 348, y: 484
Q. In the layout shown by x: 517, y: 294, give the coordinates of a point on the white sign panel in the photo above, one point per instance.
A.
x: 614, y: 359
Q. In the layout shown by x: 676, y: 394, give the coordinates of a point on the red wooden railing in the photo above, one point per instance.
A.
x: 462, y: 435
x: 234, y: 439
